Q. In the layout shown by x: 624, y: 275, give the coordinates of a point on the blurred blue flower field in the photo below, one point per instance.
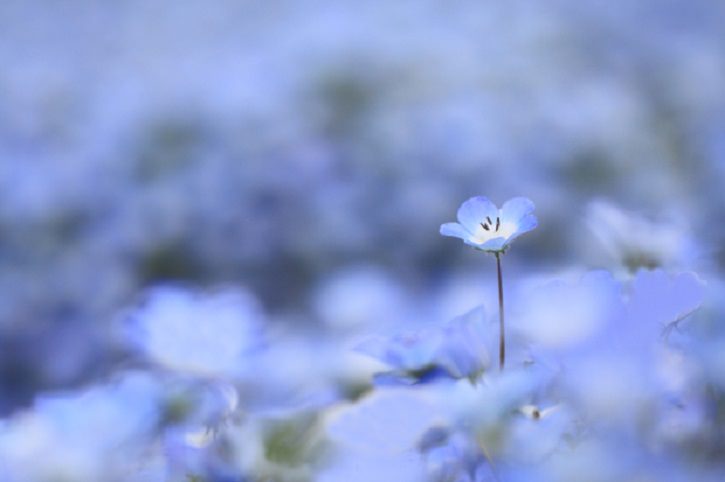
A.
x: 221, y: 256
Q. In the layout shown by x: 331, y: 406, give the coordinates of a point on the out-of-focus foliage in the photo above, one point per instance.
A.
x: 219, y: 248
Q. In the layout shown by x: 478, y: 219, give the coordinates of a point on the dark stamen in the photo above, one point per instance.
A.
x: 489, y: 220
x: 498, y: 223
x: 484, y: 226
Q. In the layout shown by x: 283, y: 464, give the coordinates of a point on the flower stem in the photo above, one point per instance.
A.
x: 501, y: 340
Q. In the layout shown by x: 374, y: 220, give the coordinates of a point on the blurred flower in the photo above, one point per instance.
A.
x: 485, y: 227
x: 537, y: 434
x: 659, y: 300
x: 207, y: 335
x: 460, y: 348
x: 636, y: 242
x: 377, y: 438
x: 102, y: 433
x: 617, y: 373
x: 454, y: 456
x: 407, y: 352
x: 466, y: 345
x: 366, y: 425
x: 562, y: 314
x: 200, y: 408
x: 360, y: 296
x: 297, y: 373
x: 488, y: 408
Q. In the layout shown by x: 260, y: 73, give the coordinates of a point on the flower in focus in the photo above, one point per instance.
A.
x: 485, y: 227
x: 206, y: 335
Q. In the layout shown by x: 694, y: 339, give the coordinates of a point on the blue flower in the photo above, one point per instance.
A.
x: 485, y: 227
x: 454, y: 455
x: 377, y: 437
x: 407, y: 352
x: 466, y: 345
x: 207, y: 335
x: 61, y: 430
x: 460, y: 348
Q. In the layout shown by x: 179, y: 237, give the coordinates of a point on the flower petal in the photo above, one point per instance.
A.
x: 514, y: 210
x: 492, y: 245
x: 495, y: 244
x: 528, y: 223
x: 474, y: 211
x: 455, y: 230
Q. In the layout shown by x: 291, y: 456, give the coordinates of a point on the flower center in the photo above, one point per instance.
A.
x: 489, y: 225
x: 493, y: 228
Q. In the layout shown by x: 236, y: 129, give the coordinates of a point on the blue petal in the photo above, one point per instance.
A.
x: 406, y: 351
x: 464, y: 350
x: 495, y: 244
x: 454, y: 230
x: 660, y: 299
x: 516, y: 209
x: 525, y: 225
x: 528, y: 223
x: 366, y: 424
x: 474, y: 211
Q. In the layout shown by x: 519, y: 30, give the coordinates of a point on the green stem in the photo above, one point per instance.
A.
x: 501, y: 340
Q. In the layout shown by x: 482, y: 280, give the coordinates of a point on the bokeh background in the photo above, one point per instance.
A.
x: 309, y: 151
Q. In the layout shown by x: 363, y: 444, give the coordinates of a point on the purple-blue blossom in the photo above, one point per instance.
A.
x: 486, y: 227
x: 203, y: 334
x: 459, y: 348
